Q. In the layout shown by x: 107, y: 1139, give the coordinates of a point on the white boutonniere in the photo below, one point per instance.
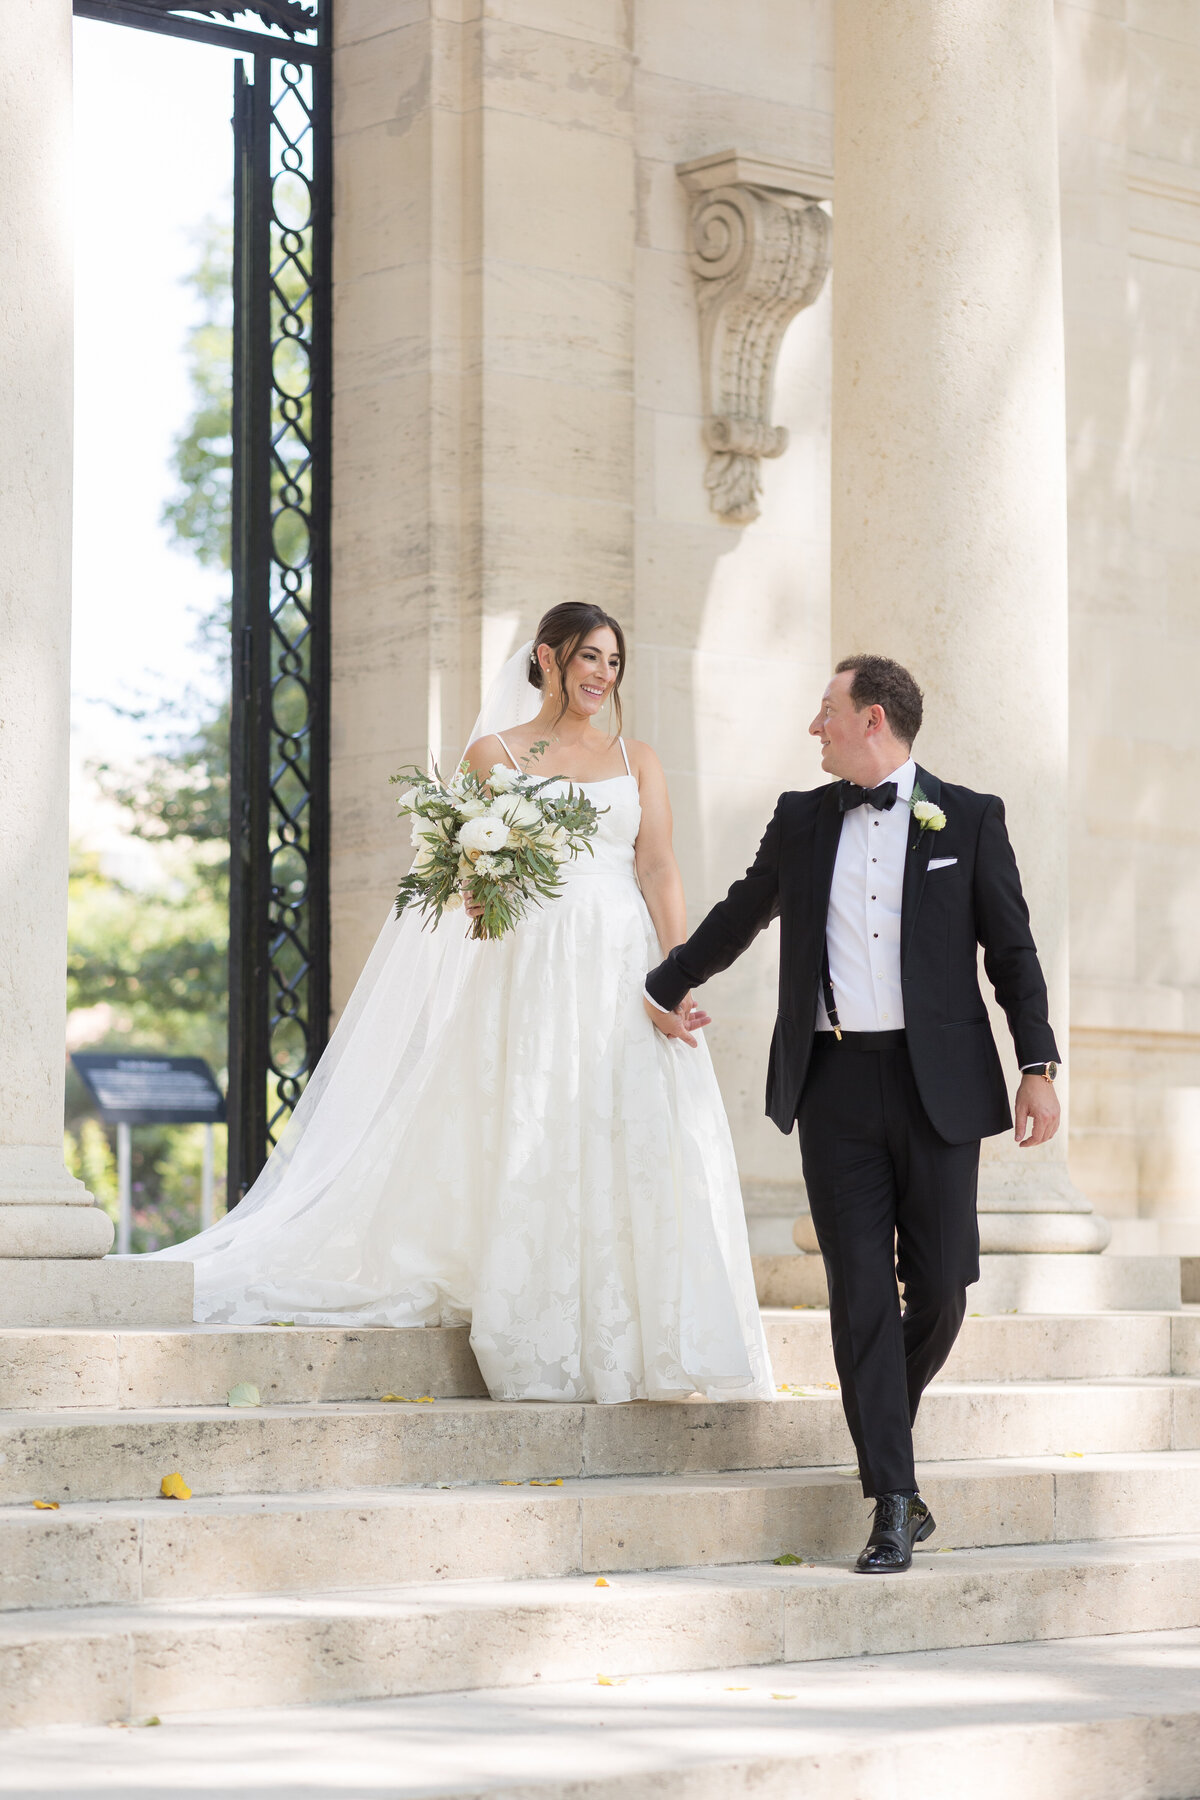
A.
x: 928, y: 816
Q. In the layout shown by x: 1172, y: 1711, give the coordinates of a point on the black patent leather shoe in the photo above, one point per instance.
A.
x: 901, y: 1520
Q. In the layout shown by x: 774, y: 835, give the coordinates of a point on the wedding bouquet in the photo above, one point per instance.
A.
x: 496, y: 840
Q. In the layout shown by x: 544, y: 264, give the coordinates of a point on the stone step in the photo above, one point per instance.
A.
x: 1109, y: 1718
x: 1014, y: 1347
x: 294, y: 1449
x: 197, y: 1366
x: 1011, y: 1283
x: 105, y: 1663
x: 122, y: 1553
x: 41, y: 1370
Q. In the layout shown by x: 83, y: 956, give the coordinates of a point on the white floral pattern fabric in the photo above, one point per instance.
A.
x: 549, y: 1170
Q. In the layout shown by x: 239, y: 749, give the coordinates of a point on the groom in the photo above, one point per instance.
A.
x: 884, y: 882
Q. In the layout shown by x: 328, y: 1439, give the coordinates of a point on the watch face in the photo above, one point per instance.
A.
x: 1052, y: 1070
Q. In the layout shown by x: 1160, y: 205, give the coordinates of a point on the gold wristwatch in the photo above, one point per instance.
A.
x: 1047, y: 1070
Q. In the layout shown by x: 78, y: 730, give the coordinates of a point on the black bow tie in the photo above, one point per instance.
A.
x: 882, y: 798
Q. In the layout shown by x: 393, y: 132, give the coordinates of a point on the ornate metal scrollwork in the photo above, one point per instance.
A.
x: 292, y: 16
x: 759, y: 255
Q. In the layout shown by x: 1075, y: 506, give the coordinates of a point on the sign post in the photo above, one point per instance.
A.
x: 124, y: 1188
x: 147, y: 1089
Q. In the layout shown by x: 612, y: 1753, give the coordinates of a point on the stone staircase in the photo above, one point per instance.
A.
x: 451, y: 1558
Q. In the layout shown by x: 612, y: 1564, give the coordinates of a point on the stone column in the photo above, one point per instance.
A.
x: 949, y: 502
x: 43, y: 1211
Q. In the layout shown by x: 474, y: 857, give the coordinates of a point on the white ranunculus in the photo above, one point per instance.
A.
x: 502, y: 779
x: 407, y: 800
x: 518, y: 812
x: 485, y: 833
x: 928, y: 816
x: 473, y: 808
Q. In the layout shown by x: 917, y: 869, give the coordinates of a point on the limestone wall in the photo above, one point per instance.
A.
x: 1129, y: 106
x: 731, y: 624
x: 518, y: 419
x: 518, y: 415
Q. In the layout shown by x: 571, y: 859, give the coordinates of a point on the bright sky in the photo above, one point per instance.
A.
x: 153, y: 157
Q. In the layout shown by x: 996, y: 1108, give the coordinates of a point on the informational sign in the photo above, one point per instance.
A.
x: 151, y: 1090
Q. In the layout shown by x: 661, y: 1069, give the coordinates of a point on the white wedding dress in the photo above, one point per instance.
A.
x: 498, y: 1137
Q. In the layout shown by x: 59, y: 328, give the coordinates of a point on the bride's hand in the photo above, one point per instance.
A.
x: 681, y: 1023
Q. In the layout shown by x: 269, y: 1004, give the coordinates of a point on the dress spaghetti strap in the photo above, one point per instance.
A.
x: 625, y: 754
x: 512, y: 759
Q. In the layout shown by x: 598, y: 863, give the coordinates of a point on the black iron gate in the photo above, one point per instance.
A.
x: 279, y: 827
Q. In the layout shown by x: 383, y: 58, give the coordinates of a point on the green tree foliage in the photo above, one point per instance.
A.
x: 156, y: 956
x: 199, y: 512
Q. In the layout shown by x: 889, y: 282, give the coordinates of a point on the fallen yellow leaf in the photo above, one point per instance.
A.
x: 611, y: 1681
x: 511, y: 1484
x: 783, y: 1696
x: 789, y: 1560
x: 281, y: 1321
x: 742, y: 1690
x: 152, y: 1720
x: 600, y: 1581
x: 1072, y: 1452
x: 244, y: 1393
x: 557, y: 1482
x: 394, y: 1397
x: 46, y: 1505
x: 174, y: 1487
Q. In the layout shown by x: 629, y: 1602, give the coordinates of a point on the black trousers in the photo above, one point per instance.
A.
x: 888, y: 1197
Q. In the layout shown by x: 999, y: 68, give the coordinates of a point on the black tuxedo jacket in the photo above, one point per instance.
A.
x: 944, y: 915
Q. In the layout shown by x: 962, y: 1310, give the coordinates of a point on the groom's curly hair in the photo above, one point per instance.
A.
x: 878, y: 681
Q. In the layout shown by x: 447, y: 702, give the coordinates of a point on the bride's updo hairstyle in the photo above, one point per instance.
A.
x: 565, y: 629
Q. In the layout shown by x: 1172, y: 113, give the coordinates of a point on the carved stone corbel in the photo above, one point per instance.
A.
x: 760, y: 254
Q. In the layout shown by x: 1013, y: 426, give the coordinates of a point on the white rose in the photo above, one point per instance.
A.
x: 502, y: 779
x: 425, y: 858
x: 485, y: 833
x: 452, y: 902
x: 929, y: 816
x: 407, y: 800
x: 520, y: 813
x: 473, y: 808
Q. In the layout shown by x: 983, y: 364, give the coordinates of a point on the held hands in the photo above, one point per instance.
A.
x: 1036, y: 1106
x: 686, y: 1018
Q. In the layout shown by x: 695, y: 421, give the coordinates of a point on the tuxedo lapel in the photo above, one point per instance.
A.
x: 826, y: 835
x: 916, y: 862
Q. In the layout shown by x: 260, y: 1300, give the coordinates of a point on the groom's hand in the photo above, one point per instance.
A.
x: 1036, y: 1106
x: 686, y: 1018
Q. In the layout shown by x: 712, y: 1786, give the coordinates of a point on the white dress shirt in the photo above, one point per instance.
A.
x: 863, y: 930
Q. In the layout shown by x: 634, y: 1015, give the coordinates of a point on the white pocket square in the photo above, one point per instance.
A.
x: 941, y: 862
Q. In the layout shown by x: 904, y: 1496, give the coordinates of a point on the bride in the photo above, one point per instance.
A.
x: 501, y: 1134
